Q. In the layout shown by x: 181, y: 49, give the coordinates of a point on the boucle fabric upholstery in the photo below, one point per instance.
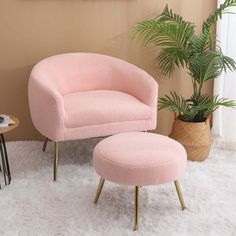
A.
x: 84, y: 95
x: 139, y: 159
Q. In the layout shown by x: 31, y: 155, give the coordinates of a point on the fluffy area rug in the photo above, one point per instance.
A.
x: 33, y: 205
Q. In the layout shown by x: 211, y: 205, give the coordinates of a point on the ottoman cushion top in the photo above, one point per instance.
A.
x: 139, y: 158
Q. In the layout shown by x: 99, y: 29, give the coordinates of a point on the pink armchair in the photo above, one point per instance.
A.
x: 84, y: 95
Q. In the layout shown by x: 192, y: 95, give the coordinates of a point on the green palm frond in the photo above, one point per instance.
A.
x: 202, y: 43
x: 214, y: 103
x: 212, y: 19
x: 205, y: 66
x: 195, y: 99
x: 185, y: 109
x: 209, y: 65
x: 205, y: 40
x: 195, y: 109
x: 168, y: 16
x: 161, y: 34
x: 228, y: 63
x: 207, y: 105
x: 182, y: 47
x: 174, y: 38
x: 173, y: 102
x: 192, y: 115
x: 145, y: 29
x: 170, y: 58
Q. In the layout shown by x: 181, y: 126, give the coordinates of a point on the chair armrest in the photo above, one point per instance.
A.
x: 46, y: 107
x: 137, y: 82
x: 143, y: 86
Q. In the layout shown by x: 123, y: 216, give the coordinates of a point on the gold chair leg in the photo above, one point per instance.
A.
x: 45, y: 144
x: 55, y: 164
x: 136, y: 208
x: 99, y: 190
x: 180, y: 195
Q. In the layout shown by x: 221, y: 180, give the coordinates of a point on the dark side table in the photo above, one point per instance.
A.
x: 5, y: 167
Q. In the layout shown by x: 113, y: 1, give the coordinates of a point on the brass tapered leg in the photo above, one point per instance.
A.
x: 55, y: 164
x: 45, y: 144
x: 99, y: 190
x: 136, y: 208
x: 180, y: 195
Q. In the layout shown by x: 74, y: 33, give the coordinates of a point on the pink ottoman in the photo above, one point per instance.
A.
x: 139, y: 159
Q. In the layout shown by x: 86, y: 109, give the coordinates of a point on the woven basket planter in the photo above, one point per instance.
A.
x: 195, y: 137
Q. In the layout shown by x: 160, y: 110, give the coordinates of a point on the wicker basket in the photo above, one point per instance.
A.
x: 195, y: 137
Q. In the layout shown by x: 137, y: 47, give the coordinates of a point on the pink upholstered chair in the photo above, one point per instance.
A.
x: 84, y: 95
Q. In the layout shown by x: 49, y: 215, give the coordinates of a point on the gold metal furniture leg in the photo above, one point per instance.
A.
x: 55, y: 164
x: 45, y: 144
x: 99, y: 190
x: 136, y: 208
x: 180, y: 195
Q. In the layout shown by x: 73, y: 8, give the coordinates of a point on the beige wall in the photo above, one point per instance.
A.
x: 31, y: 30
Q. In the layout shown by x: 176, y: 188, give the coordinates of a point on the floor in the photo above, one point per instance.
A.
x: 34, y: 205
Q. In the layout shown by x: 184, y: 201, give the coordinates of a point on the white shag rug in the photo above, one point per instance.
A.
x: 33, y: 205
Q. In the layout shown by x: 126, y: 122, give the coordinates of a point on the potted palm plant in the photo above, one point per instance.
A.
x: 182, y: 47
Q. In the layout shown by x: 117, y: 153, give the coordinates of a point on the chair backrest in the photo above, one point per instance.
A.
x: 75, y: 72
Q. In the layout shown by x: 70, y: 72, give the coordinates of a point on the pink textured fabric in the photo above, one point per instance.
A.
x: 62, y: 86
x: 102, y: 106
x: 139, y: 159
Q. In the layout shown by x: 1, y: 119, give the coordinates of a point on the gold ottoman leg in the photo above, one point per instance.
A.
x: 180, y: 195
x: 136, y: 208
x: 99, y: 190
x: 55, y: 163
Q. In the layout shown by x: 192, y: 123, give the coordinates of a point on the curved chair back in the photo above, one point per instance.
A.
x: 73, y: 72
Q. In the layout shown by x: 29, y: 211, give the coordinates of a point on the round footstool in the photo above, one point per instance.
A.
x: 139, y: 159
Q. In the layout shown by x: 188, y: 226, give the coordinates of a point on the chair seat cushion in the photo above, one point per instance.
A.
x: 139, y: 158
x: 96, y: 107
